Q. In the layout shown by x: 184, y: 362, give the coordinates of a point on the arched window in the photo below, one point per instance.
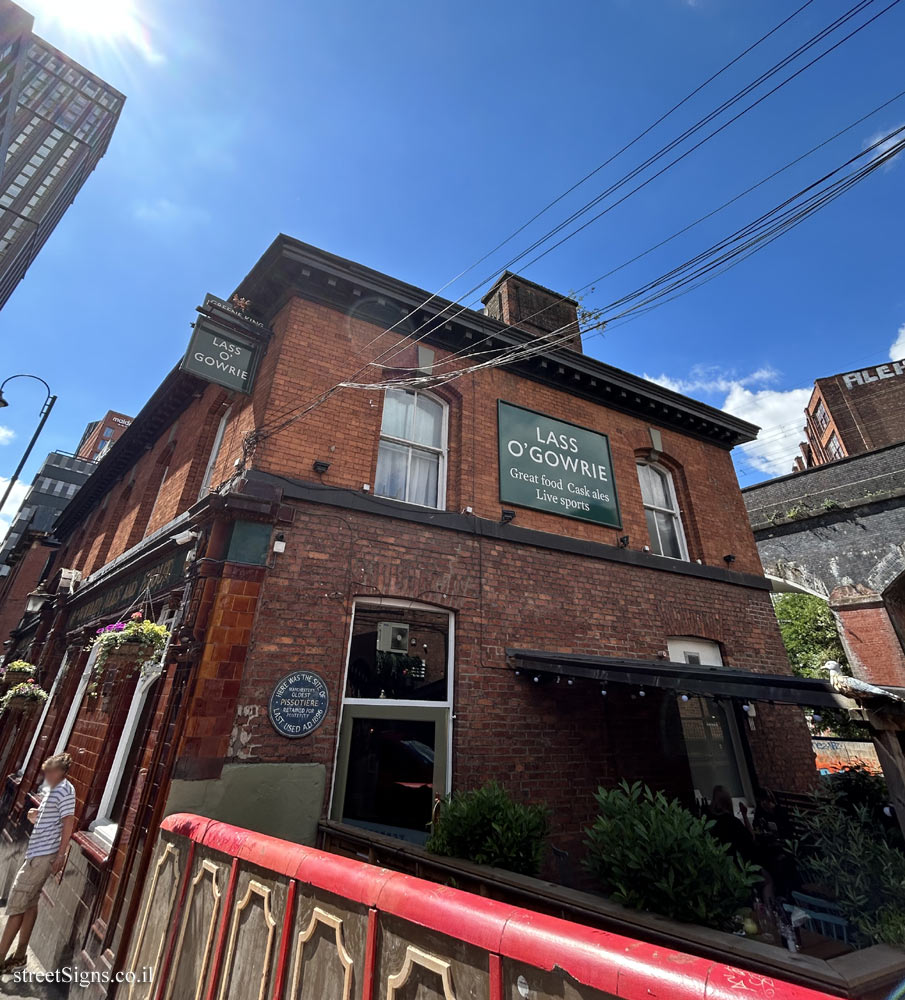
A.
x: 661, y: 508
x: 411, y: 462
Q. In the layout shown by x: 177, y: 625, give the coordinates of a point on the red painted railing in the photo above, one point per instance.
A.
x: 391, y: 933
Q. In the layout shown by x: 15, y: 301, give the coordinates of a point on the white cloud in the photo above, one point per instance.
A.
x: 6, y: 435
x: 778, y: 412
x: 16, y: 496
x: 780, y: 415
x: 707, y: 379
x: 897, y: 349
x: 166, y: 214
x: 886, y: 145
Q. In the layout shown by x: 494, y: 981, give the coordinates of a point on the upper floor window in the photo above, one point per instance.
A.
x: 661, y: 508
x: 821, y: 417
x: 411, y: 462
x: 834, y: 448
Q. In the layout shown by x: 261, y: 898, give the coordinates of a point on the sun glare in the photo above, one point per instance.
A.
x: 112, y: 21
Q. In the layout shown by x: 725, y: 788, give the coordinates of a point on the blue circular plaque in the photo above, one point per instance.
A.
x: 299, y: 704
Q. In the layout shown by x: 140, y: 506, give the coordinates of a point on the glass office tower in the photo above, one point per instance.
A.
x: 56, y: 120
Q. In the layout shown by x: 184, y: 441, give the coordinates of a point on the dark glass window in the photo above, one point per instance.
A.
x: 390, y: 777
x: 821, y: 417
x: 398, y: 653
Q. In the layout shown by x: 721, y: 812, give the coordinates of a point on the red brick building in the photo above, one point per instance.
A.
x: 101, y: 434
x: 540, y: 572
x: 854, y: 412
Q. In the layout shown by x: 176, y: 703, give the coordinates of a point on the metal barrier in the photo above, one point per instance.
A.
x: 228, y: 914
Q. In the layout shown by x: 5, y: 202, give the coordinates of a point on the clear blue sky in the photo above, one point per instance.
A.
x: 414, y: 136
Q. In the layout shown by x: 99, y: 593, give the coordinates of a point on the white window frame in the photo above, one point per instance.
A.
x: 53, y: 689
x: 103, y: 827
x: 392, y: 602
x: 76, y: 702
x: 675, y: 513
x: 442, y: 452
x: 215, y: 454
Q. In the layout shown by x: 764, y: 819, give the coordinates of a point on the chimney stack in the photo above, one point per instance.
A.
x: 539, y: 311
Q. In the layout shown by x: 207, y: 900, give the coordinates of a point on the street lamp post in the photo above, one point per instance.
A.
x: 45, y: 413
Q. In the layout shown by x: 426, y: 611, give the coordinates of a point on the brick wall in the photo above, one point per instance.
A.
x: 314, y: 344
x: 313, y: 347
x: 510, y: 595
x: 867, y: 408
x: 22, y: 580
x: 872, y: 645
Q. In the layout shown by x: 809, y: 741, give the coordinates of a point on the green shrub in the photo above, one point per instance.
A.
x: 651, y: 853
x: 842, y: 851
x: 855, y: 788
x: 489, y: 827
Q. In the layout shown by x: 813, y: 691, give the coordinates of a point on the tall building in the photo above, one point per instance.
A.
x: 27, y: 546
x: 29, y: 542
x: 852, y: 413
x: 56, y: 120
x: 100, y: 434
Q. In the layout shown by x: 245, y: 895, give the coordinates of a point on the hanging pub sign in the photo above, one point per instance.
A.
x: 554, y: 466
x: 226, y: 344
x: 299, y: 703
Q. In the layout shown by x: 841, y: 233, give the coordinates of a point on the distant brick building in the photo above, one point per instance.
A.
x: 99, y: 435
x: 28, y: 546
x: 380, y: 594
x: 854, y: 412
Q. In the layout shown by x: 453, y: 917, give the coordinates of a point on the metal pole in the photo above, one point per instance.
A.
x: 45, y: 413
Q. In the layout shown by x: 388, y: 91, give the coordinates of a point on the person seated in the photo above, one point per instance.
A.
x: 729, y: 829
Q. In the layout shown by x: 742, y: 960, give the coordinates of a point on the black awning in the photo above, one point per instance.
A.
x: 726, y: 682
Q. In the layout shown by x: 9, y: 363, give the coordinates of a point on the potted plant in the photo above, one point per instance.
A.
x: 136, y: 641
x: 24, y: 697
x: 15, y: 673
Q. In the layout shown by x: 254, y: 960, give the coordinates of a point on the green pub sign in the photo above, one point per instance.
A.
x: 225, y: 345
x: 557, y: 467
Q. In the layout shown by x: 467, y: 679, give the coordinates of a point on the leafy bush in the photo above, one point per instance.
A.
x: 855, y: 788
x: 840, y: 850
x: 489, y: 827
x: 651, y: 853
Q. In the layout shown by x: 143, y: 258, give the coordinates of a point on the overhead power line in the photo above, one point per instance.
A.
x: 301, y: 410
x: 663, y: 151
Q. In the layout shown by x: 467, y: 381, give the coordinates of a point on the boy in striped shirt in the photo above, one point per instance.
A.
x: 45, y: 855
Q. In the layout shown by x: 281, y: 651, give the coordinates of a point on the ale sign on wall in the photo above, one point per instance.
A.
x: 554, y: 466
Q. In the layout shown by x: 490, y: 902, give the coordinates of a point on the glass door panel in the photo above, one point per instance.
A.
x: 392, y: 763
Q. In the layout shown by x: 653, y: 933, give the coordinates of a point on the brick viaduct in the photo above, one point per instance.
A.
x: 838, y: 531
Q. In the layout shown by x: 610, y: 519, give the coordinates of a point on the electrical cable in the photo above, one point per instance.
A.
x: 610, y: 159
x: 264, y: 432
x: 858, y: 7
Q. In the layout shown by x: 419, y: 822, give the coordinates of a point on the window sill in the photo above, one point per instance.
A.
x: 104, y: 832
x: 97, y: 851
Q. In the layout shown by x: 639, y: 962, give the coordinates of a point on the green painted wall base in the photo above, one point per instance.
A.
x: 281, y: 800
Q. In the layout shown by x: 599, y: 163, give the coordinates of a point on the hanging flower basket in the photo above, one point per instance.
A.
x: 123, y: 646
x: 25, y: 697
x: 16, y: 673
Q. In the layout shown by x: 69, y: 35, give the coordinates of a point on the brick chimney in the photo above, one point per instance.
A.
x: 539, y: 311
